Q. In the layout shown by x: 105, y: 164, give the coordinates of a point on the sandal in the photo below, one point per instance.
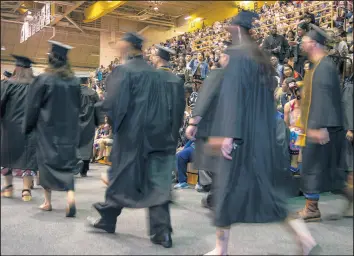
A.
x: 7, y: 191
x: 26, y: 197
x: 46, y: 207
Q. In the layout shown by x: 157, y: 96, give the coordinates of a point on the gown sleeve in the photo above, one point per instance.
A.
x: 206, y: 95
x: 232, y: 99
x: 118, y: 93
x: 4, y: 95
x: 326, y: 87
x: 347, y: 101
x: 34, y: 97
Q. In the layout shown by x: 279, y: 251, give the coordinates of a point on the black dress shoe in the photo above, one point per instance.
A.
x: 100, y: 224
x: 164, y: 239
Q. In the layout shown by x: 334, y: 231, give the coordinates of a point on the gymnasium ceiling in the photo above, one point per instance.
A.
x: 70, y: 27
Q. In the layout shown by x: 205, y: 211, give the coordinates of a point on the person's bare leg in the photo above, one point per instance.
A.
x: 71, y: 207
x: 306, y: 241
x: 8, y: 192
x: 26, y: 192
x: 47, y: 205
x: 222, y: 241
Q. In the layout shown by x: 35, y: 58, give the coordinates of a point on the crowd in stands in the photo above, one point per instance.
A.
x: 279, y: 32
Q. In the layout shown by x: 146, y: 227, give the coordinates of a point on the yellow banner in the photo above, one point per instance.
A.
x: 100, y: 8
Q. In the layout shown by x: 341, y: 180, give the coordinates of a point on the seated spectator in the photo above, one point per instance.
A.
x: 103, y: 140
x: 278, y: 67
x: 289, y: 72
x: 184, y: 156
x: 292, y: 114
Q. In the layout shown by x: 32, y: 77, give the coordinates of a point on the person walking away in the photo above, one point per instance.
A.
x: 88, y: 123
x: 200, y: 125
x: 18, y: 150
x: 249, y: 189
x: 322, y: 122
x: 347, y: 101
x: 144, y: 144
x: 160, y: 60
x: 52, y: 110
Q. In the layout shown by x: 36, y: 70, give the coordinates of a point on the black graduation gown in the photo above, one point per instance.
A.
x: 88, y: 121
x: 245, y: 188
x: 205, y: 108
x: 52, y: 110
x: 143, y: 153
x: 177, y: 101
x: 321, y: 169
x: 17, y: 149
x: 347, y: 101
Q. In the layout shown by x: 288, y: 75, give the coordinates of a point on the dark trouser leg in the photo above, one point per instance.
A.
x: 160, y: 219
x: 109, y: 173
x: 108, y: 213
x: 85, y: 167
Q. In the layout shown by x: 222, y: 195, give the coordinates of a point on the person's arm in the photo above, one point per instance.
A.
x: 287, y: 114
x: 34, y: 98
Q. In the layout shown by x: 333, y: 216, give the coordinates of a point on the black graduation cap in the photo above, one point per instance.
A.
x: 7, y: 74
x: 22, y: 61
x: 60, y: 48
x: 164, y: 52
x: 303, y: 25
x: 134, y: 39
x: 84, y: 80
x: 245, y: 19
x: 317, y: 34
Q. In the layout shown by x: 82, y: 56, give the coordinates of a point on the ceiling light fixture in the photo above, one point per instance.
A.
x: 187, y: 18
x: 155, y: 2
x: 3, y: 48
x: 198, y: 19
x: 156, y: 8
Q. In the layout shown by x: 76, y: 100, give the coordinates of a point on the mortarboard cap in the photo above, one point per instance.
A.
x: 135, y: 39
x: 60, y: 49
x: 304, y: 26
x: 245, y: 19
x: 318, y: 35
x: 22, y: 61
x: 7, y: 74
x: 164, y: 52
x: 84, y: 80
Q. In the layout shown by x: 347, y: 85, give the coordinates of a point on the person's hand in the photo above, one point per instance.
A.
x: 226, y: 148
x: 320, y: 136
x: 349, y: 135
x: 191, y: 131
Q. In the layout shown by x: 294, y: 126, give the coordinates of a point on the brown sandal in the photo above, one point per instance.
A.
x: 26, y: 197
x: 7, y: 191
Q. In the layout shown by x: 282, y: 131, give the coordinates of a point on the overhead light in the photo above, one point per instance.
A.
x: 179, y: 32
x: 3, y: 48
x: 187, y: 18
x: 198, y: 19
x: 156, y: 8
x: 48, y: 53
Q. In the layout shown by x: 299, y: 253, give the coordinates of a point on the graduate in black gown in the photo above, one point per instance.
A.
x: 200, y: 125
x: 177, y: 103
x: 322, y: 122
x: 144, y: 146
x: 246, y: 179
x: 52, y: 111
x: 88, y: 123
x: 18, y: 151
x: 347, y: 154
